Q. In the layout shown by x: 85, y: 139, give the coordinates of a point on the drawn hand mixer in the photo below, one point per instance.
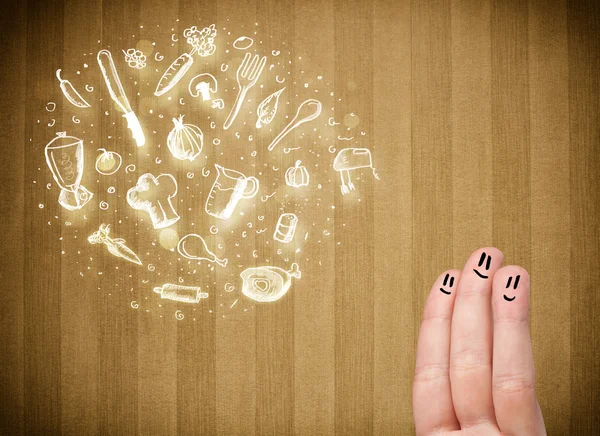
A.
x: 352, y: 159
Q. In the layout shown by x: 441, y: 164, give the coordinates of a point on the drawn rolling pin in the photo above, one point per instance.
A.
x: 115, y: 88
x: 184, y: 294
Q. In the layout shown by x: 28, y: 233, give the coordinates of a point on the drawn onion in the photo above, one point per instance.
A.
x: 185, y: 140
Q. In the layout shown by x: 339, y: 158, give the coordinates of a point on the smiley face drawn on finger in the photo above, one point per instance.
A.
x: 449, y: 284
x: 514, y: 287
x: 487, y: 259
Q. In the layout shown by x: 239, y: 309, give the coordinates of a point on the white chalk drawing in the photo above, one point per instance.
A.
x: 50, y: 106
x: 194, y: 247
x: 158, y: 57
x: 117, y: 93
x: 116, y: 246
x: 203, y: 84
x: 52, y: 123
x: 185, y: 141
x: 268, y: 108
x: 268, y: 283
x: 287, y: 150
x: 75, y: 119
x: 279, y: 80
x: 71, y: 93
x: 247, y: 74
x: 275, y: 52
x: 217, y: 103
x: 308, y: 111
x: 265, y: 197
x: 202, y: 42
x: 228, y: 189
x: 103, y: 205
x: 331, y: 122
x: 130, y: 168
x: 297, y: 175
x: 64, y: 157
x: 89, y: 88
x: 243, y: 43
x: 108, y: 162
x: 183, y: 294
x: 351, y: 159
x: 286, y: 227
x: 135, y: 58
x: 224, y: 67
x: 153, y: 195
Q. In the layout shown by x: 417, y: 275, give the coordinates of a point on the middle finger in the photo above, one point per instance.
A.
x: 471, y: 340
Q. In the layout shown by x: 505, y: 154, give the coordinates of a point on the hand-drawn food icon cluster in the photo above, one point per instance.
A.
x: 155, y: 194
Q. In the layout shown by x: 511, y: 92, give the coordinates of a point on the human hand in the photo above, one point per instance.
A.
x: 474, y: 368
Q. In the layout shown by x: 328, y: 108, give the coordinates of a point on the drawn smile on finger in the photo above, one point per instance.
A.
x: 482, y: 260
x: 514, y: 287
x: 449, y: 284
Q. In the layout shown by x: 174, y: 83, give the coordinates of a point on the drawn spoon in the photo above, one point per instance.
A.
x: 310, y: 108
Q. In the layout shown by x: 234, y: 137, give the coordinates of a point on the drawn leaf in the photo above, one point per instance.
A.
x: 268, y: 108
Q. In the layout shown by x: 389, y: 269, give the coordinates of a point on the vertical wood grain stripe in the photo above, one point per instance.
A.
x: 472, y: 175
x: 431, y: 145
x: 394, y: 317
x: 314, y: 294
x: 12, y: 204
x: 118, y: 323
x: 354, y: 279
x: 510, y: 131
x: 549, y: 138
x: 236, y: 334
x: 42, y: 278
x: 158, y: 329
x: 275, y: 321
x: 79, y: 286
x: 584, y: 89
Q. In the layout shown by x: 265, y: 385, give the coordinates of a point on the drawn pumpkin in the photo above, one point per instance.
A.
x: 297, y: 175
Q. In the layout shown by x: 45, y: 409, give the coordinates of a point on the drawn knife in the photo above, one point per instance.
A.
x: 115, y: 88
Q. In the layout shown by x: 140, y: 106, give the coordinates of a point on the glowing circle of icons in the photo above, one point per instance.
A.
x: 154, y: 193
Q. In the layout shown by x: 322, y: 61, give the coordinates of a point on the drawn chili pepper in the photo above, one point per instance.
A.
x: 71, y: 93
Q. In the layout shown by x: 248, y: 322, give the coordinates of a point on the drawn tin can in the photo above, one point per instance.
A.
x: 286, y: 227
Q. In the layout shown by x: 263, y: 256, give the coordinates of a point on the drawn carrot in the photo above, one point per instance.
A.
x: 202, y: 44
x: 115, y: 246
x: 71, y: 93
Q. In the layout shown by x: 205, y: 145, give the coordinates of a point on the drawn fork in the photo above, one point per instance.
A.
x: 247, y: 75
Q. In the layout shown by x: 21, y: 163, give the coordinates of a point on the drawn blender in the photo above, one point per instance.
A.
x: 247, y: 74
x: 64, y: 157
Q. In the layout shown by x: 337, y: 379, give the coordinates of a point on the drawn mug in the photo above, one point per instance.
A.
x: 227, y: 190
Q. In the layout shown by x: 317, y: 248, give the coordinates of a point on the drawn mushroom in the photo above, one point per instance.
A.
x: 203, y: 84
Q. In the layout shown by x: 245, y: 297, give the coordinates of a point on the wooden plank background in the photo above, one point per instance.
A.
x: 483, y: 118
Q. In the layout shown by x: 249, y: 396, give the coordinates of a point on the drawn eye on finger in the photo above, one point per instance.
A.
x: 515, y: 285
x: 448, y: 281
x: 485, y: 261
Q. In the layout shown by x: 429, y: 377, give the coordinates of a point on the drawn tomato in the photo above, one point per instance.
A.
x: 108, y: 162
